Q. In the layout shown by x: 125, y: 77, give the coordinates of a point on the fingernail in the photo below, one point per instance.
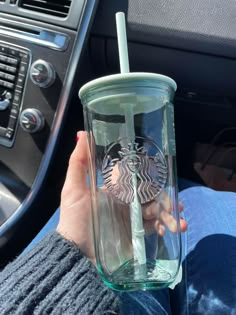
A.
x: 77, y: 137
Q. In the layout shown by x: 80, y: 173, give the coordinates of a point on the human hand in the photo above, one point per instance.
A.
x: 75, y: 208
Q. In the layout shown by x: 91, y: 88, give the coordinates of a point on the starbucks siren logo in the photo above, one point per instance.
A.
x: 134, y: 167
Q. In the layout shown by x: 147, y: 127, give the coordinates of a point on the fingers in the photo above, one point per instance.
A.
x: 172, y: 226
x: 80, y: 153
x: 165, y: 202
x: 159, y: 215
x: 150, y: 210
x: 160, y: 228
x: 78, y: 165
x: 153, y: 209
x: 183, y: 225
x: 169, y: 221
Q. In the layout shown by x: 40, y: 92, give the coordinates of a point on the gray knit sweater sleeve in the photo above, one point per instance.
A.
x: 54, y: 278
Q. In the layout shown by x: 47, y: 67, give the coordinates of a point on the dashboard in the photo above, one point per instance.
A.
x: 40, y: 47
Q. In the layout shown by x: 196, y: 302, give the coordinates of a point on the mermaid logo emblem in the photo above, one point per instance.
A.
x: 131, y: 167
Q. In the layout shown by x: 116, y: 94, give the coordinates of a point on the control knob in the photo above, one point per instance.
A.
x: 42, y: 73
x: 31, y: 120
x: 5, y: 98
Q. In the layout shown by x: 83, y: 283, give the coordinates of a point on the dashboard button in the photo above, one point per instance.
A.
x: 2, y: 66
x: 12, y: 122
x: 2, y: 131
x: 9, y: 134
x: 15, y: 108
x: 13, y: 52
x: 20, y: 81
x: 8, y: 85
x: 23, y: 68
x: 24, y: 56
x: 42, y: 73
x: 4, y: 104
x: 14, y: 111
x: 4, y: 49
x: 9, y: 77
x: 5, y: 100
x: 10, y: 69
x: 3, y: 58
x: 32, y: 120
x: 12, y: 61
x: 17, y: 98
x: 2, y: 75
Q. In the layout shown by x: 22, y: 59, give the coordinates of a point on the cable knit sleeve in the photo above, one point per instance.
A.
x: 54, y: 278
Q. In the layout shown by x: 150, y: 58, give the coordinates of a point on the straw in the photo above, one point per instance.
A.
x: 122, y: 42
x: 135, y: 208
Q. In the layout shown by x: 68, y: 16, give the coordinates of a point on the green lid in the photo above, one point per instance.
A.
x: 126, y: 77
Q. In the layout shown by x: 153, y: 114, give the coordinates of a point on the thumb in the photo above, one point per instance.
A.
x: 78, y: 164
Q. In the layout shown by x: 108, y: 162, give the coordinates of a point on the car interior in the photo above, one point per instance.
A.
x: 49, y: 49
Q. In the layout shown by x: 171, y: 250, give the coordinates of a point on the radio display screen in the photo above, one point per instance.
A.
x: 4, y: 118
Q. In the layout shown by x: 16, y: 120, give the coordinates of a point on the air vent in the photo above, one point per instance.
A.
x: 59, y: 8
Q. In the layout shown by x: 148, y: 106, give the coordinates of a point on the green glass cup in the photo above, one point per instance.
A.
x: 129, y: 121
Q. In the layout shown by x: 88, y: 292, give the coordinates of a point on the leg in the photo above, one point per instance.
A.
x: 146, y: 303
x: 150, y: 302
x: 136, y: 303
x: 209, y: 254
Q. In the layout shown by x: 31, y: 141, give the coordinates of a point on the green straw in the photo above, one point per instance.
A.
x: 122, y: 42
x: 138, y: 233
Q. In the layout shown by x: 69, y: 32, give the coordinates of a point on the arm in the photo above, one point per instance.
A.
x: 54, y: 278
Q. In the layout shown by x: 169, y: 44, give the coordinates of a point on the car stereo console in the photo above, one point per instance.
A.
x: 14, y: 63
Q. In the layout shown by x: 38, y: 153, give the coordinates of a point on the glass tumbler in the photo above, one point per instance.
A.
x: 129, y: 121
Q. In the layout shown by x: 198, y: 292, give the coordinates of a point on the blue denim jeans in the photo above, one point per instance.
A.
x: 208, y: 286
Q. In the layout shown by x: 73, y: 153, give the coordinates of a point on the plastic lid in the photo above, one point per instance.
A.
x: 126, y: 77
